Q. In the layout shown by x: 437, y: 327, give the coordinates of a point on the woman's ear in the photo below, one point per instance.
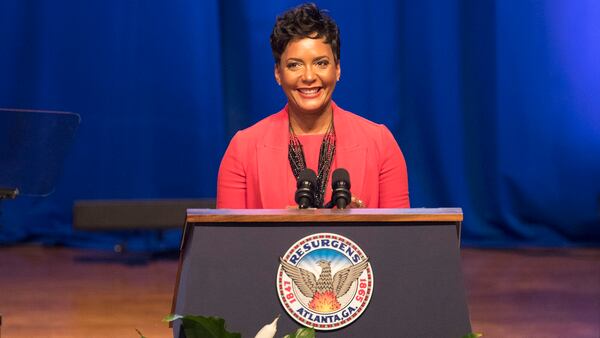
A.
x: 276, y: 72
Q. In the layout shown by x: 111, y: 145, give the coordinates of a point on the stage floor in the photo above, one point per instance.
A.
x: 60, y: 292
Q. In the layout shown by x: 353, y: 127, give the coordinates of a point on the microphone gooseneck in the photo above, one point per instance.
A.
x: 340, y: 184
x: 306, y: 188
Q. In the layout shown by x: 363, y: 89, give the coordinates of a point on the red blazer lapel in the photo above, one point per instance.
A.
x: 351, y: 154
x: 274, y: 176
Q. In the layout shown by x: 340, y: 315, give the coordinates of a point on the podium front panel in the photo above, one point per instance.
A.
x: 229, y: 270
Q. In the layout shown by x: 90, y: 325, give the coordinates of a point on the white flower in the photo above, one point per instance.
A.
x: 268, y: 331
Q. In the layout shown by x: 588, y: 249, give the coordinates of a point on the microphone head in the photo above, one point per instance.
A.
x: 340, y: 175
x: 340, y: 184
x: 307, y: 175
x: 307, y: 185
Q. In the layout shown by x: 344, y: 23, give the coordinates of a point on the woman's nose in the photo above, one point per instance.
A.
x: 309, y: 75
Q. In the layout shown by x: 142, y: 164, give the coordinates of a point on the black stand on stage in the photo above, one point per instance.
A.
x: 229, y: 262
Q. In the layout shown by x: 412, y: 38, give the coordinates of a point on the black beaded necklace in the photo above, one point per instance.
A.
x: 326, y: 153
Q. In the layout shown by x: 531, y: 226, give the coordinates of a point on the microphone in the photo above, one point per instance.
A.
x: 305, y: 193
x: 340, y: 184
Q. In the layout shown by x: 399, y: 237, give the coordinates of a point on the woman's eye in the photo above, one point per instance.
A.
x: 293, y: 65
x: 323, y: 63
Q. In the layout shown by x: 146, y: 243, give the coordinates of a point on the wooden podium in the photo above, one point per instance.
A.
x: 230, y: 258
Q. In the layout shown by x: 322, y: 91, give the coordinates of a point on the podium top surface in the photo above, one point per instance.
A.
x: 324, y: 215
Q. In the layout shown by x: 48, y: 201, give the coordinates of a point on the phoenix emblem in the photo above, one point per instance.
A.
x: 324, y: 281
x: 325, y: 290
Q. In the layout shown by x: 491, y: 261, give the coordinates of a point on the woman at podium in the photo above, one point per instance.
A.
x: 262, y: 163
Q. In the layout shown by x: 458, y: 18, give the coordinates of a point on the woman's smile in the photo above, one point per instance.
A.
x: 309, y: 93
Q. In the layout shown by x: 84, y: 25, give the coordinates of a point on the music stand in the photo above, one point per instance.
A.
x: 33, y: 146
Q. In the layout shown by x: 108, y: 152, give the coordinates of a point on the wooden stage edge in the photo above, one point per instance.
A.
x: 62, y: 292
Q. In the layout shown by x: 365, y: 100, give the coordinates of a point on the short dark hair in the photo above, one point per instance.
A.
x: 304, y: 21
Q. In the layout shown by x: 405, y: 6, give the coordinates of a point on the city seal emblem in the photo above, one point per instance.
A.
x: 324, y: 281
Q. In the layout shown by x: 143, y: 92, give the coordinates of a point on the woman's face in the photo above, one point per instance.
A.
x: 307, y: 73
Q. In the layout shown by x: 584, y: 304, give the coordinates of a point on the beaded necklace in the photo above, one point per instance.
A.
x: 326, y: 153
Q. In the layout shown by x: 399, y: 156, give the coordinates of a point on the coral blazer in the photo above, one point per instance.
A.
x: 255, y: 172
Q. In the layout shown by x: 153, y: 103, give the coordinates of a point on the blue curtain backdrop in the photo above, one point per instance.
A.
x: 495, y: 105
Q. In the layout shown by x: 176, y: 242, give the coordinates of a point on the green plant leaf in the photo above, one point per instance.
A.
x: 202, y: 327
x: 303, y: 332
x: 172, y: 317
x: 140, y: 333
x: 472, y: 335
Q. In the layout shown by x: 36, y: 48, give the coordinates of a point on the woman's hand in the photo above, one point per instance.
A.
x: 356, y: 203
